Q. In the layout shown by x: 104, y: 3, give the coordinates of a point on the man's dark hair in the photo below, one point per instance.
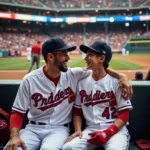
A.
x: 46, y: 54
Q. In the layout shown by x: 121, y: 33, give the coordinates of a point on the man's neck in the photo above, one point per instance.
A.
x: 51, y: 72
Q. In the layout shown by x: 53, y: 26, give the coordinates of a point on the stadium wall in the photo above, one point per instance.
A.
x: 3, y: 53
x: 138, y: 45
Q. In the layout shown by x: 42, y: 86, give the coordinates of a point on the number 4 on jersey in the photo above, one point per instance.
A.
x: 109, y: 114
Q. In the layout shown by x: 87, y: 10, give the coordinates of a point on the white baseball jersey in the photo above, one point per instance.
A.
x: 123, y: 51
x: 46, y: 102
x: 29, y: 53
x: 100, y: 100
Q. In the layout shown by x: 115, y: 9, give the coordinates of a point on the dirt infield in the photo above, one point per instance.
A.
x: 143, y: 61
x: 140, y: 60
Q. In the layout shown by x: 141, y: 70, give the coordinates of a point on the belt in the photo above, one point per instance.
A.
x: 43, y: 123
x: 37, y: 123
x: 110, y: 122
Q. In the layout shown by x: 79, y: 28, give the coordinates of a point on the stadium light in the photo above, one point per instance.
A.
x: 24, y: 21
x: 140, y: 12
x: 127, y: 24
x: 48, y: 12
x: 70, y: 23
x: 112, y: 19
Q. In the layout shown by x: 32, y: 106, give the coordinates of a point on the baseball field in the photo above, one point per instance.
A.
x: 16, y: 67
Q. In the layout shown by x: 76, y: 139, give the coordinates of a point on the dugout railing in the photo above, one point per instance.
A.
x: 139, y: 123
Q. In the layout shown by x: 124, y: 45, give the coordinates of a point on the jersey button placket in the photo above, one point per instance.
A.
x: 53, y: 88
x: 94, y: 110
x: 55, y: 93
x: 95, y: 107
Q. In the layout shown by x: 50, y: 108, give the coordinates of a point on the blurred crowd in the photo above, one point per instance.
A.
x: 68, y: 3
x: 81, y: 3
x: 29, y: 2
x: 21, y: 39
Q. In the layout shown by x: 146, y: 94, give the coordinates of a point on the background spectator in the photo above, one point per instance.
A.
x: 148, y: 75
x: 138, y: 75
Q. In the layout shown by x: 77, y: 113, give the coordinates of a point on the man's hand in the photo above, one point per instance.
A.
x: 101, y: 137
x: 125, y: 86
x: 77, y: 133
x: 14, y: 143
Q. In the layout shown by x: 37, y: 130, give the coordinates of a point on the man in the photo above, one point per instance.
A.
x: 35, y: 53
x: 100, y: 102
x: 123, y: 51
x: 9, y: 53
x: 16, y: 52
x: 148, y: 76
x: 28, y: 53
x: 48, y: 94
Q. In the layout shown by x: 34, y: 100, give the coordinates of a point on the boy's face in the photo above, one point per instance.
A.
x: 94, y: 60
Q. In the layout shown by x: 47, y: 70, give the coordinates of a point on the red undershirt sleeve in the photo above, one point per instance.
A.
x: 77, y: 112
x: 16, y: 119
x: 124, y: 115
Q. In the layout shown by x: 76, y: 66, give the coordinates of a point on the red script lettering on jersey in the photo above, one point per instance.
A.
x: 97, y: 97
x: 52, y: 101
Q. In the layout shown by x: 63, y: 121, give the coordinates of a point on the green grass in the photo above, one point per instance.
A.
x: 15, y: 64
x: 123, y: 65
x: 135, y: 54
x: 76, y: 61
x: 114, y: 64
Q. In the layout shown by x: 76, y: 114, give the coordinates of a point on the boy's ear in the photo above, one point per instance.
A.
x: 102, y: 58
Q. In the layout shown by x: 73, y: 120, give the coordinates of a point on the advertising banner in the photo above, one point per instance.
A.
x: 7, y: 15
x: 39, y: 18
x: 23, y: 17
x: 75, y: 52
x: 80, y: 19
x: 23, y: 53
x: 83, y: 19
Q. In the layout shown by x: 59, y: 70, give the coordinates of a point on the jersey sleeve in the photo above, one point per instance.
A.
x: 77, y: 103
x: 77, y: 110
x: 121, y: 102
x: 22, y: 101
x: 80, y: 73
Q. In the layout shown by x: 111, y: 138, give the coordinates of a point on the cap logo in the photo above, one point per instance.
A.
x: 104, y: 52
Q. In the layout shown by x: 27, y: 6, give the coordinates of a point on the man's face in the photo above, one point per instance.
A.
x: 60, y: 60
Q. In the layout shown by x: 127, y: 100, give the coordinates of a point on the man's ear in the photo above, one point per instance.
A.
x: 50, y: 57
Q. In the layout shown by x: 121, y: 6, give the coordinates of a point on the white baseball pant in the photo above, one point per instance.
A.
x: 119, y: 141
x: 44, y: 137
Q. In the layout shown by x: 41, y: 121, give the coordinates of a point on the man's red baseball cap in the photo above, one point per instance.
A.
x: 38, y: 41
